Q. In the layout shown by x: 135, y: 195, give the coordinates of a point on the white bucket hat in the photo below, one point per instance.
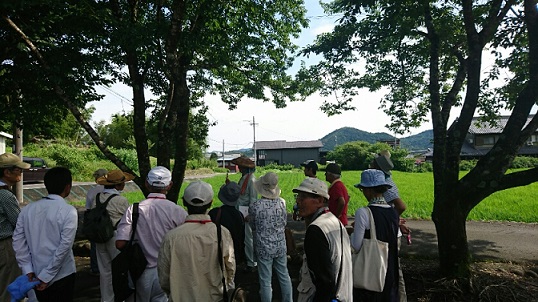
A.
x: 267, y: 186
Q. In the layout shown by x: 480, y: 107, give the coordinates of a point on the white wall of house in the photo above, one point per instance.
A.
x: 3, y: 140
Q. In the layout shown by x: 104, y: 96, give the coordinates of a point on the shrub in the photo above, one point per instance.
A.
x: 201, y: 163
x: 277, y: 167
x: 524, y: 162
x: 467, y: 165
x: 129, y: 157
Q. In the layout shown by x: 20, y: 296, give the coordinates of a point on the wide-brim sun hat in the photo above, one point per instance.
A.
x: 383, y: 161
x: 313, y: 186
x: 243, y: 161
x: 114, y: 177
x: 267, y: 186
x: 229, y: 193
x: 372, y: 178
x: 9, y: 160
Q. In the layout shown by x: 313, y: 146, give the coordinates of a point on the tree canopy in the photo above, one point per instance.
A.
x: 433, y: 59
x: 179, y: 50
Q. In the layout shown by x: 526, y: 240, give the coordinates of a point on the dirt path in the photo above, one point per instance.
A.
x: 495, y: 241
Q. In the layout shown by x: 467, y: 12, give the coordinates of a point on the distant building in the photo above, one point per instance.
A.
x: 283, y: 152
x: 393, y: 143
x: 3, y: 137
x: 482, y: 136
x: 227, y: 159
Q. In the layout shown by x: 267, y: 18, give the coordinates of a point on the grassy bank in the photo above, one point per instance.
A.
x: 416, y: 189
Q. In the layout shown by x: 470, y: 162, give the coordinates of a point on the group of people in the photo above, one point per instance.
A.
x: 327, y: 273
x: 193, y: 254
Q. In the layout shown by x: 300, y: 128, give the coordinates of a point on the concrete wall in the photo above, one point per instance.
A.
x: 78, y: 191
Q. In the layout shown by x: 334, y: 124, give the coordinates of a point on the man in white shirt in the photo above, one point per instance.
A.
x: 44, y: 236
x: 157, y: 216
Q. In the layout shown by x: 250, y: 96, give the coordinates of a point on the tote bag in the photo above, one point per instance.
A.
x: 370, y: 263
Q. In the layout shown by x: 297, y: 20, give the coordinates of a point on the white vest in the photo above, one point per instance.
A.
x: 336, y: 234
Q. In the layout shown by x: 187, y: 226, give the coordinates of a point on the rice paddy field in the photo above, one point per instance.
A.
x: 416, y: 190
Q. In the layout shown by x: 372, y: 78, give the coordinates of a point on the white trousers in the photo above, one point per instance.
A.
x: 105, y: 253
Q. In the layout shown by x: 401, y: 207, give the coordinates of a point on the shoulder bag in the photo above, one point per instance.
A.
x: 237, y: 294
x: 370, y: 263
x: 128, y: 266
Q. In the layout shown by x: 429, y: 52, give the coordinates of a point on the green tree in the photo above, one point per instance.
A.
x: 429, y: 55
x: 181, y: 50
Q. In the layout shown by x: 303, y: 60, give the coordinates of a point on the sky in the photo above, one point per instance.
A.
x: 299, y: 121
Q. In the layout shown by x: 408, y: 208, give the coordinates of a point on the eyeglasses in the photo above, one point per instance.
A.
x: 302, y: 196
x: 16, y: 170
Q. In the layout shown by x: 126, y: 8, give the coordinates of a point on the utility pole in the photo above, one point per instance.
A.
x: 253, y: 124
x: 17, y: 150
x: 223, y: 165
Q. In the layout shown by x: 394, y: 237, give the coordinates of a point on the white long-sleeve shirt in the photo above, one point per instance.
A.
x: 43, y: 238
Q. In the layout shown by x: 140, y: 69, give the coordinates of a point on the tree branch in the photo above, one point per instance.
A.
x: 74, y: 110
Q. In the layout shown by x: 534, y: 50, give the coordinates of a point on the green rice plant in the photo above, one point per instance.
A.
x: 416, y: 190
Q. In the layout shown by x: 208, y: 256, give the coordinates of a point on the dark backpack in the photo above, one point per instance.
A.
x: 97, y: 225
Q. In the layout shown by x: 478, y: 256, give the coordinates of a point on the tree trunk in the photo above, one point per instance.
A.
x: 449, y: 221
x: 182, y: 98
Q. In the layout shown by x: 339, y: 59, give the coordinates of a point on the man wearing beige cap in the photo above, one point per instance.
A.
x: 11, y: 168
x: 326, y: 246
x: 113, y: 183
x: 189, y: 264
x: 157, y: 216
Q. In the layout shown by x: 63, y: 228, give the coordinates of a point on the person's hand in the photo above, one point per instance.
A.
x: 404, y: 229
x: 42, y: 286
x: 31, y: 277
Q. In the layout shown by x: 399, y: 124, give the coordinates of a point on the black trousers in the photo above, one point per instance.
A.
x: 60, y: 291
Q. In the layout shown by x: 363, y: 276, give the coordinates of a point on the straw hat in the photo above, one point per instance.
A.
x: 243, y: 161
x: 114, y: 177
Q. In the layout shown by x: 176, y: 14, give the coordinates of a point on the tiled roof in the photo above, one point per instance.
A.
x: 485, y: 128
x: 272, y: 145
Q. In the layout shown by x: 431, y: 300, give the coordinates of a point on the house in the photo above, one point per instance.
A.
x: 283, y: 152
x: 482, y: 136
x: 227, y: 159
x: 3, y: 138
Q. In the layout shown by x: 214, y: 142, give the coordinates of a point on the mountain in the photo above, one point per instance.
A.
x: 421, y: 141
x: 348, y: 134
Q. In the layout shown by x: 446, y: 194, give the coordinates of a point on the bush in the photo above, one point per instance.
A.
x: 524, y: 162
x: 467, y: 165
x: 276, y: 167
x: 201, y: 163
x: 129, y: 157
